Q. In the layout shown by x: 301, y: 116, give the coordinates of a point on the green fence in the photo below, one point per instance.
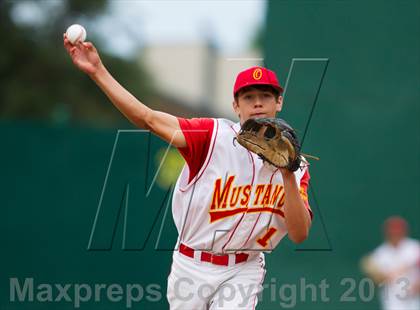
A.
x: 51, y: 184
x: 365, y: 128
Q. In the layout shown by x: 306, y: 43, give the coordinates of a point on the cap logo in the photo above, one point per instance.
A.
x: 257, y: 74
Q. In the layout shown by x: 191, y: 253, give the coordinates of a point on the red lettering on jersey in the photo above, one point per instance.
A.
x: 281, y: 200
x: 220, y: 197
x: 277, y: 190
x: 267, y: 199
x: 247, y: 194
x: 234, y: 198
x: 258, y: 192
x: 267, y: 195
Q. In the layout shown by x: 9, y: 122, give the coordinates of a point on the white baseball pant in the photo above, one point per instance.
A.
x: 197, y: 285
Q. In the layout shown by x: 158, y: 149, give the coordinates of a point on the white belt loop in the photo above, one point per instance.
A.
x: 197, y: 256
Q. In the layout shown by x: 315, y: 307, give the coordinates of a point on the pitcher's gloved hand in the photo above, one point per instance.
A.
x: 273, y: 140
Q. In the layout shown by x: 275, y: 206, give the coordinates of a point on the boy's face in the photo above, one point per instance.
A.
x: 395, y: 230
x: 256, y: 103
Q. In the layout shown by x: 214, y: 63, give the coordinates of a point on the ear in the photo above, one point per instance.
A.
x: 279, y: 104
x: 235, y: 106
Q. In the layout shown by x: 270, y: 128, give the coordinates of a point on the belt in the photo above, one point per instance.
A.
x: 222, y: 260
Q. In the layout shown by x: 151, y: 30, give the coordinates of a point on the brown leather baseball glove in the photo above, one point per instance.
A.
x: 273, y: 140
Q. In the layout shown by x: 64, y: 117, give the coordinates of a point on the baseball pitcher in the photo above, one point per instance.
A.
x: 242, y: 189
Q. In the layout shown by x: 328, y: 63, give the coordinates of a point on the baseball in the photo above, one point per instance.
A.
x: 76, y: 33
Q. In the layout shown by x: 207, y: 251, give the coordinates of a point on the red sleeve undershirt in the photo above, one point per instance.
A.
x: 197, y: 133
x: 304, y: 182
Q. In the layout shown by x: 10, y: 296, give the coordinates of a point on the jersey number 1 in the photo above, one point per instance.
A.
x: 264, y: 239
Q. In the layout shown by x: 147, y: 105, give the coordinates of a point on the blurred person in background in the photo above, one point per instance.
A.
x: 394, y: 267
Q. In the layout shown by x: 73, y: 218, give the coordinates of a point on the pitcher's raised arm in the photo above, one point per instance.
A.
x: 86, y: 58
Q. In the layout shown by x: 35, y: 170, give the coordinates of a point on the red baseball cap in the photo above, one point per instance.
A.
x: 256, y: 76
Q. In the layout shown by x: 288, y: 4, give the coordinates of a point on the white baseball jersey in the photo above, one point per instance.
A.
x: 234, y: 202
x: 398, y: 294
